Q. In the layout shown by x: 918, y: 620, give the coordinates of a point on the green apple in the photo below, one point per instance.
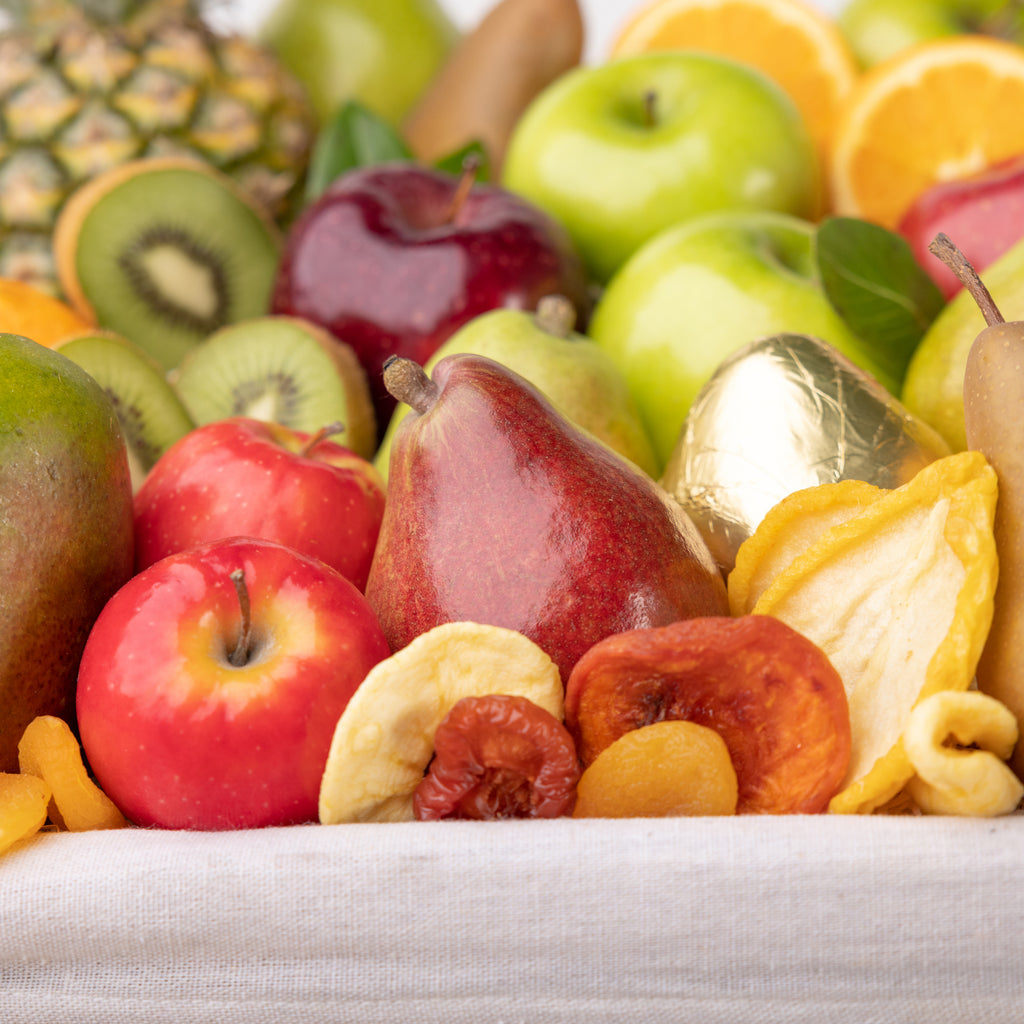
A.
x: 877, y: 29
x: 702, y: 289
x: 577, y: 376
x: 380, y: 52
x: 621, y: 150
x: 933, y: 386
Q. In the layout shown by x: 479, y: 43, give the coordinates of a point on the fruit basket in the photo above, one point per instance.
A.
x: 731, y: 920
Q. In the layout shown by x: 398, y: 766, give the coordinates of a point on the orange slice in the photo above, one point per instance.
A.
x: 29, y: 311
x: 935, y: 112
x: 791, y: 41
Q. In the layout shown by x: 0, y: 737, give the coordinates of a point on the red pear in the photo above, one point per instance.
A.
x: 500, y: 511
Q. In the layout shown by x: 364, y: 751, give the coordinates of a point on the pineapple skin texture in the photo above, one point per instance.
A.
x: 79, y: 95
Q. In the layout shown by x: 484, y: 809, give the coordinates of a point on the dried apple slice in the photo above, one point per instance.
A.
x: 899, y: 596
x: 384, y: 740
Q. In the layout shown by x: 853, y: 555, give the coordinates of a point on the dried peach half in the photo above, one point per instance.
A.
x: 899, y: 596
x: 770, y: 693
x: 672, y: 768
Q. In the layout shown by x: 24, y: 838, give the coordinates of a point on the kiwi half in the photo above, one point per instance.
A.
x: 165, y: 251
x: 152, y: 416
x: 283, y: 369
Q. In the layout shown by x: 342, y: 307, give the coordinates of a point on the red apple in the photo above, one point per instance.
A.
x: 394, y: 258
x: 984, y: 213
x: 243, y: 476
x: 186, y: 722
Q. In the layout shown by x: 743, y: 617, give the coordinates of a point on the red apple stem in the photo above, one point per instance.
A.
x: 408, y: 382
x: 470, y: 170
x: 946, y: 250
x: 240, y: 655
x: 556, y: 315
x: 337, y: 427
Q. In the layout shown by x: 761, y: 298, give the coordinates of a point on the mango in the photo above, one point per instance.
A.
x: 65, y: 529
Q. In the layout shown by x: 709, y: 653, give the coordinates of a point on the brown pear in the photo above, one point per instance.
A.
x: 502, y: 512
x: 65, y: 529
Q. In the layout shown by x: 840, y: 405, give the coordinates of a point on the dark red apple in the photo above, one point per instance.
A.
x: 394, y: 258
x: 983, y: 212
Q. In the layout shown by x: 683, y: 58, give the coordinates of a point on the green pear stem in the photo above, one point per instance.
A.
x: 407, y: 381
x: 240, y: 655
x: 337, y: 427
x: 946, y: 250
x: 470, y: 170
x: 556, y: 315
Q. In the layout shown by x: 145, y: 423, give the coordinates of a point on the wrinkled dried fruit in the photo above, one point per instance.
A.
x: 384, y: 740
x: 23, y: 803
x: 958, y: 743
x: 769, y: 692
x: 49, y: 750
x: 668, y: 769
x: 499, y: 756
x: 899, y: 596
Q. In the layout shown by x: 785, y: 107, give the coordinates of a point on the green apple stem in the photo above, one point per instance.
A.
x: 240, y: 655
x: 470, y: 170
x: 407, y: 381
x: 556, y: 315
x: 947, y: 251
x: 337, y: 427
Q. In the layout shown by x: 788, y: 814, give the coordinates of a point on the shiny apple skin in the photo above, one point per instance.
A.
x: 244, y: 476
x: 377, y: 261
x: 982, y: 214
x: 176, y: 735
x: 502, y: 512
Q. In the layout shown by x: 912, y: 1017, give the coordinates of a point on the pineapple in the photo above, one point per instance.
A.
x: 90, y: 84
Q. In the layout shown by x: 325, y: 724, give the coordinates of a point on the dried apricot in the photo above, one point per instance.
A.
x: 49, y: 750
x: 769, y: 692
x: 23, y: 803
x: 499, y: 756
x: 668, y: 769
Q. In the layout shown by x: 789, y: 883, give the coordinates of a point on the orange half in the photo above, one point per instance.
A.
x: 938, y: 111
x: 34, y: 313
x: 790, y: 41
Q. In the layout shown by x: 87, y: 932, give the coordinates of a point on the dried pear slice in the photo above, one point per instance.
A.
x: 900, y: 599
x: 788, y: 529
x: 384, y: 740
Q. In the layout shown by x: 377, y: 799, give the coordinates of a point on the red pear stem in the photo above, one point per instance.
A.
x: 470, y: 170
x: 650, y: 108
x: 337, y: 427
x: 556, y: 315
x: 240, y: 655
x: 407, y: 381
x: 946, y: 250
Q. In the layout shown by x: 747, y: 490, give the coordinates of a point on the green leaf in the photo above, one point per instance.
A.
x: 354, y: 137
x: 872, y: 280
x: 453, y: 163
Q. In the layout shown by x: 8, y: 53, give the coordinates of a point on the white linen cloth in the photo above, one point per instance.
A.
x: 719, y: 921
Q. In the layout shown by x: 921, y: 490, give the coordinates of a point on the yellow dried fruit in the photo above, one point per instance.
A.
x: 899, y: 596
x: 23, y: 803
x: 958, y: 744
x: 49, y: 750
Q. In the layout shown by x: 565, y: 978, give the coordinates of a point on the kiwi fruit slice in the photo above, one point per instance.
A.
x: 283, y: 369
x: 152, y: 416
x: 165, y: 251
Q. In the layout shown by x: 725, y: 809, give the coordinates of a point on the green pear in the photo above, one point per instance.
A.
x: 575, y: 375
x: 65, y: 529
x: 383, y: 53
x: 933, y: 385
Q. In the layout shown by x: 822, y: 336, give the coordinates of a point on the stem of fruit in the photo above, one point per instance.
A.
x: 947, y: 251
x: 650, y: 108
x: 337, y: 427
x: 407, y: 381
x: 240, y: 655
x: 556, y: 315
x: 470, y: 169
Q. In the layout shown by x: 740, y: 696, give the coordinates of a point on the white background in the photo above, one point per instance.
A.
x: 603, y: 17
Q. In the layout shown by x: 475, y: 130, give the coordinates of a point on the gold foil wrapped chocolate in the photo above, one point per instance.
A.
x: 783, y: 413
